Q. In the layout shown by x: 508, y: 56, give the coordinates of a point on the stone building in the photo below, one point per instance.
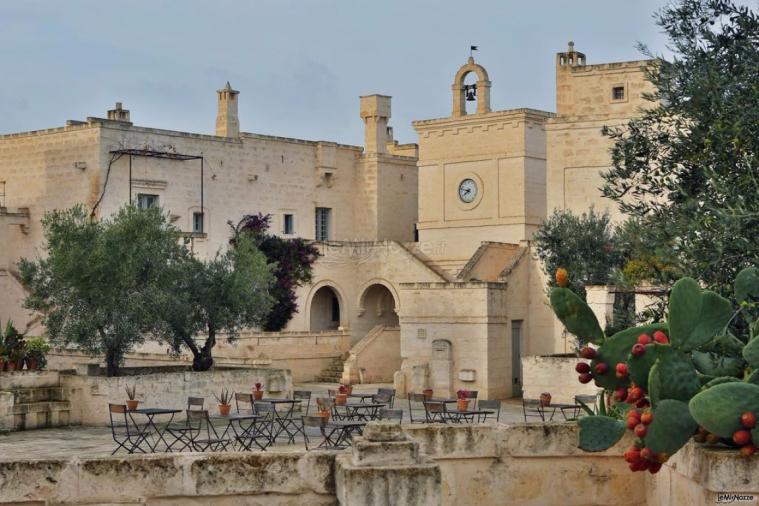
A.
x: 425, y: 248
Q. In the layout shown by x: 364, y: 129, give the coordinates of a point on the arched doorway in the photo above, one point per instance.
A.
x: 325, y: 309
x: 378, y: 307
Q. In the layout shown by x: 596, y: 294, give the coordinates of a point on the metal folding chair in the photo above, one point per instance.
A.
x: 418, y: 399
x: 202, y: 433
x: 179, y: 430
x: 386, y: 393
x: 246, y: 400
x: 435, y: 411
x: 391, y: 414
x: 490, y: 405
x: 125, y: 432
x: 305, y: 397
x: 535, y: 408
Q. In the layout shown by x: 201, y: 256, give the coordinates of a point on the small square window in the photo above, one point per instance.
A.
x: 618, y: 93
x: 288, y: 224
x: 146, y: 201
x: 197, y: 223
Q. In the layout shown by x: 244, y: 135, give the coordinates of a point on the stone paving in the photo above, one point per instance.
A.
x: 97, y: 442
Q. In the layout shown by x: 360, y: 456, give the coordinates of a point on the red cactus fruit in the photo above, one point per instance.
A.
x: 646, y: 453
x: 634, y: 394
x: 582, y: 367
x: 660, y: 337
x: 747, y: 450
x: 646, y: 418
x: 661, y: 457
x: 588, y: 352
x: 638, y: 350
x: 601, y: 368
x: 586, y: 378
x: 741, y: 437
x: 632, y: 454
x: 643, y: 403
x: 748, y: 420
x: 654, y: 467
x: 620, y: 394
x: 644, y: 339
x: 640, y: 430
x: 632, y: 423
x: 621, y: 370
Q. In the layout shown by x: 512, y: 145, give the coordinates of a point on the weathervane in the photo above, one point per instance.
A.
x: 471, y: 50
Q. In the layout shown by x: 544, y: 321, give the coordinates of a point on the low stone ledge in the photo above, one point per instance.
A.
x: 441, y: 441
x: 146, y: 478
x: 552, y: 439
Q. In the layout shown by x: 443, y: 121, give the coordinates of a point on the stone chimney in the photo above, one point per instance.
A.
x: 118, y: 113
x: 375, y: 111
x: 227, y: 122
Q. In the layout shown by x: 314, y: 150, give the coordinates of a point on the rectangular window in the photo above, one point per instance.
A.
x: 197, y: 223
x: 322, y: 223
x: 618, y: 93
x: 146, y: 201
x: 288, y: 224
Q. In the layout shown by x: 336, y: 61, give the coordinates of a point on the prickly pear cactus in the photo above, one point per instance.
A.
x: 694, y: 376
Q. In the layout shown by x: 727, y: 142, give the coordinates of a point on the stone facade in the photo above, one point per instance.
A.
x: 433, y: 239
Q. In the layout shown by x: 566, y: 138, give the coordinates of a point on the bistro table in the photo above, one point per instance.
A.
x: 457, y: 415
x: 283, y: 418
x: 344, y: 430
x: 362, y: 411
x: 150, y: 414
x: 363, y: 396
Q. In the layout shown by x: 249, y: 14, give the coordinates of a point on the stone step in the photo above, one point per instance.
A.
x: 40, y: 415
x: 26, y: 395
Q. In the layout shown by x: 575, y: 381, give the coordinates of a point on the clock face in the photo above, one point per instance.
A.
x: 468, y: 191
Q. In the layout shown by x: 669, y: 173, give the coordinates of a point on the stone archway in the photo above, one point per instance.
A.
x: 325, y: 311
x: 378, y: 306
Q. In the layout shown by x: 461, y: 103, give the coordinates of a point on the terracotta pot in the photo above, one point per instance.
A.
x: 340, y: 399
x: 427, y: 393
x: 258, y: 394
x: 348, y: 389
x: 224, y: 409
x: 31, y: 364
x: 545, y: 399
x: 324, y: 414
x: 462, y: 404
x: 132, y: 404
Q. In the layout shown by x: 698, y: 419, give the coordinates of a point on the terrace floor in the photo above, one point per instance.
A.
x: 77, y: 441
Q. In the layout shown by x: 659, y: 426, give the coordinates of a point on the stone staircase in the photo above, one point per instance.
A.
x: 33, y: 401
x: 333, y: 373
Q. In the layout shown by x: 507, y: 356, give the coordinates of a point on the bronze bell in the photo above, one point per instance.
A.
x: 471, y: 92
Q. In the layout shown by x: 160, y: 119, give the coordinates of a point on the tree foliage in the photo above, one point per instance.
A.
x: 585, y: 245
x: 687, y: 168
x: 292, y: 258
x: 225, y: 294
x: 99, y: 283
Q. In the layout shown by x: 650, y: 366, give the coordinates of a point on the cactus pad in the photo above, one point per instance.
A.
x: 753, y: 378
x: 576, y: 315
x: 695, y: 316
x: 640, y: 367
x: 671, y: 428
x: 747, y: 285
x: 672, y: 377
x: 719, y: 381
x: 751, y: 353
x: 719, y: 408
x: 616, y: 349
x: 717, y: 365
x: 598, y: 433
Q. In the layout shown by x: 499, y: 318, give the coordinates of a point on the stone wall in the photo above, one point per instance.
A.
x: 556, y: 375
x: 90, y: 395
x: 375, y: 358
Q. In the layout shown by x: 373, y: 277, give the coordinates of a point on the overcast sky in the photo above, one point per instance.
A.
x: 299, y: 65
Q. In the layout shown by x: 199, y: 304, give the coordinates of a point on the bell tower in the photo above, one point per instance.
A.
x: 480, y: 91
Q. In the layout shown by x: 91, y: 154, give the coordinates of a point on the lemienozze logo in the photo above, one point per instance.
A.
x: 733, y: 498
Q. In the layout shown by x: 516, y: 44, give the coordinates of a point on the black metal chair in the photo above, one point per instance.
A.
x: 179, y: 430
x: 268, y: 421
x: 472, y: 396
x: 246, y: 400
x: 574, y: 411
x: 494, y: 405
x: 125, y: 432
x: 435, y: 411
x: 535, y: 408
x: 391, y: 414
x: 419, y: 399
x: 386, y: 394
x: 305, y: 397
x: 202, y: 434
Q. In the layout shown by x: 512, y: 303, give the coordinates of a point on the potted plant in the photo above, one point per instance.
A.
x: 258, y: 390
x: 224, y: 399
x: 427, y: 393
x: 16, y: 358
x: 545, y: 399
x: 13, y: 342
x: 36, y: 353
x: 462, y: 399
x: 342, y: 395
x: 132, y: 401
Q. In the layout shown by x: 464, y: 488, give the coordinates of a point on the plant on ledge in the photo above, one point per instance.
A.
x: 694, y: 376
x: 37, y: 349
